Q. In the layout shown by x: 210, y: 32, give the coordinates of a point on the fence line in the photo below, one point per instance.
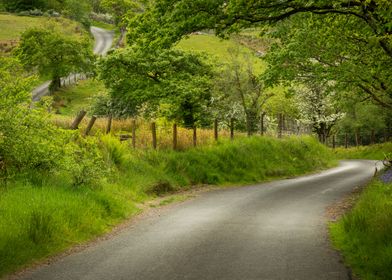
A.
x: 178, y: 138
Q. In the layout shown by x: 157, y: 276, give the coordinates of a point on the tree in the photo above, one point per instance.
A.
x: 240, y: 91
x: 20, y: 124
x: 150, y: 79
x: 317, y: 107
x: 120, y: 9
x: 328, y: 50
x: 365, y: 25
x: 185, y: 16
x: 51, y: 53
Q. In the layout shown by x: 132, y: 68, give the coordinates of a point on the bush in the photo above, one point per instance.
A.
x: 29, y: 142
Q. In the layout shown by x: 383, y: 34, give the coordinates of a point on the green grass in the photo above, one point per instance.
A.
x: 40, y: 220
x: 220, y: 49
x: 364, y: 235
x: 70, y: 100
x: 104, y: 25
x: 377, y: 151
x: 42, y: 214
x: 12, y: 26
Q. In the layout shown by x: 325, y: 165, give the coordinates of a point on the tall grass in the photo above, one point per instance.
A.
x: 43, y: 214
x: 364, y: 235
x: 144, y: 135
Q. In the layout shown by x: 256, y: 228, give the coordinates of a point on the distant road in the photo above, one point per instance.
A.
x: 275, y: 230
x: 103, y: 43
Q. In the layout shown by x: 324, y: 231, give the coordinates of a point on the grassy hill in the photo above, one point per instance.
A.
x: 12, y: 26
x: 220, y: 49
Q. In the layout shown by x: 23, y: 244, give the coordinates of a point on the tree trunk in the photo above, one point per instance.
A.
x: 123, y: 31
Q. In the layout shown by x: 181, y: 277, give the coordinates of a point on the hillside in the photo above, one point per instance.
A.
x: 12, y: 26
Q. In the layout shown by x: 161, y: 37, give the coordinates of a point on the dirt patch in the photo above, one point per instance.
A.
x: 339, y: 208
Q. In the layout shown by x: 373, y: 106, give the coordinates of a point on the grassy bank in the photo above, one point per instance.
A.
x: 377, y: 151
x: 364, y: 235
x: 42, y: 214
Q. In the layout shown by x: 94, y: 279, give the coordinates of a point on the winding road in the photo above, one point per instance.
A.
x: 103, y: 43
x: 275, y: 230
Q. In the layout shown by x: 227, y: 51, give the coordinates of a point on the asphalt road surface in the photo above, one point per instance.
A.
x: 274, y: 230
x: 103, y: 42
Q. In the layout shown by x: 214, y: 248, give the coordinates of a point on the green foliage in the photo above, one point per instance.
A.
x: 19, y: 125
x: 113, y: 150
x: 240, y: 92
x: 54, y: 54
x: 333, y: 53
x: 30, y: 143
x: 166, y: 21
x: 364, y: 234
x: 146, y: 79
x: 23, y: 5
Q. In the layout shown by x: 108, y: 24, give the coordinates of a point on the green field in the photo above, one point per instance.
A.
x: 12, y: 26
x: 70, y: 100
x: 220, y: 49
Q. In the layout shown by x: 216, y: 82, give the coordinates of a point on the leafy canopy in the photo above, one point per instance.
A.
x: 148, y: 79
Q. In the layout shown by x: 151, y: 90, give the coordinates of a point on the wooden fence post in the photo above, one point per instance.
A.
x: 357, y: 137
x: 373, y: 138
x: 280, y: 125
x: 109, y: 124
x: 334, y: 141
x: 78, y: 119
x: 386, y: 135
x: 90, y: 125
x: 194, y: 136
x: 216, y: 129
x: 346, y: 140
x: 134, y: 133
x: 154, y: 135
x: 262, y: 124
x: 174, y: 136
x: 232, y: 128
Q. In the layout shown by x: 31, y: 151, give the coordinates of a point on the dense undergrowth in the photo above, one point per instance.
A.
x: 364, y: 235
x: 42, y: 213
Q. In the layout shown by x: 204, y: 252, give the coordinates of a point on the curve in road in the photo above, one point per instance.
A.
x: 273, y: 230
x: 103, y: 43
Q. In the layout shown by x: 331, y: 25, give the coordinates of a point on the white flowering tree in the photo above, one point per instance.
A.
x: 317, y: 108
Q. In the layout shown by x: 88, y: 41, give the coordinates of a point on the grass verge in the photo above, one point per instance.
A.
x: 43, y: 214
x: 364, y: 235
x: 377, y: 151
